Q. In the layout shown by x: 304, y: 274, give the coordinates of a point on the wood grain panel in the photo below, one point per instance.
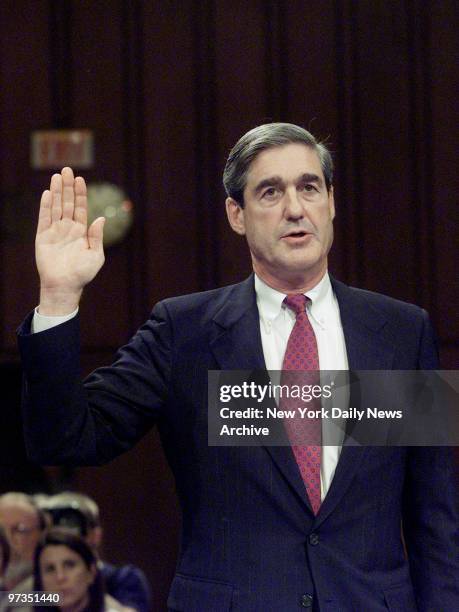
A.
x: 443, y: 234
x: 384, y: 171
x: 171, y: 223
x: 348, y: 223
x: 24, y: 106
x: 449, y: 356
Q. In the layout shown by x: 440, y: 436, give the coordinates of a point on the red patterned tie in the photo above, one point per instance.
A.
x: 301, y: 355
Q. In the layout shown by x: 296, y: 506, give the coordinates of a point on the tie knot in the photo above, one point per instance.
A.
x: 297, y: 302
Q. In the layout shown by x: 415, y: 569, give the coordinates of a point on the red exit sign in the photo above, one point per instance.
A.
x: 53, y: 149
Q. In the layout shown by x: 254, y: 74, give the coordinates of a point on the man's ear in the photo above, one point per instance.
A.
x: 331, y: 202
x: 235, y: 214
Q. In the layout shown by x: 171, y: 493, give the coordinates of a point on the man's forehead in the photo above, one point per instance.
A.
x: 16, y: 509
x: 287, y: 161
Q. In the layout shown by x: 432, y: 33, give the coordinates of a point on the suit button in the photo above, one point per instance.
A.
x: 314, y: 539
x: 306, y: 601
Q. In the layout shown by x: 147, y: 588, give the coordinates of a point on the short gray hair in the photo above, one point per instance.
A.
x: 18, y: 498
x: 264, y: 137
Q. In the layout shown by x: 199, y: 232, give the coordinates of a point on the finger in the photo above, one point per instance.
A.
x: 56, y: 197
x: 68, y: 193
x: 44, y: 216
x: 81, y: 201
x: 96, y: 234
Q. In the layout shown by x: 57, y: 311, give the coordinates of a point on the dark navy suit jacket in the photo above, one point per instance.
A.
x: 250, y: 541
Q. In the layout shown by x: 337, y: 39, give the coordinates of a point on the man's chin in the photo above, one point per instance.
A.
x: 299, y: 277
x: 298, y: 264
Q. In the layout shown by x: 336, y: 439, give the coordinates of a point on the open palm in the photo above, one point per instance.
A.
x: 68, y: 253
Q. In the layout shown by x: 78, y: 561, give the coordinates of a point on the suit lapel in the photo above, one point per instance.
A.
x: 368, y: 347
x: 237, y: 341
x: 237, y: 346
x: 367, y: 344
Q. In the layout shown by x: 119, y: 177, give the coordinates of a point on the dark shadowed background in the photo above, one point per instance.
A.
x: 168, y: 87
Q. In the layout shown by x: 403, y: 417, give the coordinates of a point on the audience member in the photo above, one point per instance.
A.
x: 79, y: 512
x: 23, y: 523
x: 65, y: 564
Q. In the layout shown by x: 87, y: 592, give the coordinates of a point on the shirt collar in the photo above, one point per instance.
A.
x: 270, y: 301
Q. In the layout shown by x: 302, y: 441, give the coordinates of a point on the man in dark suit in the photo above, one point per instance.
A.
x: 258, y: 534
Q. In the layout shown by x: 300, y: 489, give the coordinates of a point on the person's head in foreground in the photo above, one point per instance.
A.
x: 66, y: 564
x: 23, y: 524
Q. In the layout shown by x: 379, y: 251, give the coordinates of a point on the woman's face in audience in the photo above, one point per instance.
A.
x: 63, y: 571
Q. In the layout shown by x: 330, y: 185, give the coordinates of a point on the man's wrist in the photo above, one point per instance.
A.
x: 57, y: 303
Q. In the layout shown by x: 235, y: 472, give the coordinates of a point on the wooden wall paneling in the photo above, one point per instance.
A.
x: 419, y: 78
x: 388, y: 252
x: 243, y: 83
x: 311, y: 90
x: 24, y: 106
x: 346, y: 254
x: 25, y: 86
x: 61, y: 71
x: 277, y: 59
x: 98, y: 83
x: 171, y: 220
x: 133, y: 63
x: 449, y: 355
x: 97, y: 102
x: 205, y: 120
x: 19, y: 289
x: 443, y: 177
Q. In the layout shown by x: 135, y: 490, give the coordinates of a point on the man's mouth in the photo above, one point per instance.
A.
x: 296, y: 235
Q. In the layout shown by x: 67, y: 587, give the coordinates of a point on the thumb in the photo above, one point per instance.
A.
x: 96, y: 234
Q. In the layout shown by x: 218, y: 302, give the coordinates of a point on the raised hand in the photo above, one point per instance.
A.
x: 68, y: 253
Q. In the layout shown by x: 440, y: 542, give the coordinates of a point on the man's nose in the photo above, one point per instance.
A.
x: 293, y: 205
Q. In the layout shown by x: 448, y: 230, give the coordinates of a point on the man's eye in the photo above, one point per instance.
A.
x: 309, y: 187
x: 271, y: 192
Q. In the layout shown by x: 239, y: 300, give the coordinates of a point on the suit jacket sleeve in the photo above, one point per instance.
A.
x: 431, y: 512
x: 68, y: 422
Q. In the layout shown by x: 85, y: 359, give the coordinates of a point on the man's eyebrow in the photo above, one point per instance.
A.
x: 311, y: 178
x: 274, y: 181
x: 271, y: 181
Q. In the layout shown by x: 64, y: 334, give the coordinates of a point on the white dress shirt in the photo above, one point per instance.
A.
x: 276, y: 324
